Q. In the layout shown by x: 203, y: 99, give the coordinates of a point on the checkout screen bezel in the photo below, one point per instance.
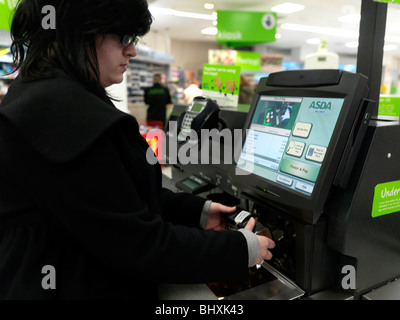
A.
x: 317, y: 84
x: 288, y: 139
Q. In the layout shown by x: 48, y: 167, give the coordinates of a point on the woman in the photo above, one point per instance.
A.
x: 82, y: 213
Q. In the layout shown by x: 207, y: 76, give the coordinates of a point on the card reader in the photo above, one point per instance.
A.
x: 194, y: 185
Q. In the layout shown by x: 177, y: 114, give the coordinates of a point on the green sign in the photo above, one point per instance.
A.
x: 386, y: 199
x: 244, y: 28
x: 6, y: 8
x: 388, y: 1
x: 389, y: 106
x: 221, y: 83
x: 249, y: 61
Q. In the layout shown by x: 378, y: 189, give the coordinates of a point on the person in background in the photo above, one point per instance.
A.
x: 83, y: 214
x: 192, y: 91
x: 246, y: 91
x: 181, y: 78
x: 157, y: 98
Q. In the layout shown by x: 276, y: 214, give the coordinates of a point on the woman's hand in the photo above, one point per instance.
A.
x: 265, y: 243
x: 215, y: 220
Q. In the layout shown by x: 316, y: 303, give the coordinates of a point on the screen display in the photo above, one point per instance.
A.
x: 288, y: 139
x: 197, y: 107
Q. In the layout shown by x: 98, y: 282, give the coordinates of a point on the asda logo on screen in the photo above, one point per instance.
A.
x: 320, y: 106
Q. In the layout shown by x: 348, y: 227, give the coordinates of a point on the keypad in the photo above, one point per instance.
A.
x: 187, y: 121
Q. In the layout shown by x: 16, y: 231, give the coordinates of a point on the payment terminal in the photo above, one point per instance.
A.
x: 202, y: 113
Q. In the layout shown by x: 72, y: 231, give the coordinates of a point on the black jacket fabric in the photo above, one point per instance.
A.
x: 78, y: 194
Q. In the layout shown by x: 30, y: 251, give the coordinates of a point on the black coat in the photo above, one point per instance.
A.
x: 77, y: 193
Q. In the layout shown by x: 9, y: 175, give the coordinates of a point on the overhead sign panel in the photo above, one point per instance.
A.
x: 389, y: 1
x: 245, y: 28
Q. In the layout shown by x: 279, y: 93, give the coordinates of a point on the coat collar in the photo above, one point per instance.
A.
x: 58, y: 117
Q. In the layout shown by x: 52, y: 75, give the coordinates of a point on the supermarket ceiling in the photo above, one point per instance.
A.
x: 336, y: 20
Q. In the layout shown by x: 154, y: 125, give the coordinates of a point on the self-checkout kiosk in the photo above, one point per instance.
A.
x: 321, y: 175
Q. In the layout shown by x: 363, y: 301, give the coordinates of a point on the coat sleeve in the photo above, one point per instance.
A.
x: 182, y: 208
x: 94, y: 199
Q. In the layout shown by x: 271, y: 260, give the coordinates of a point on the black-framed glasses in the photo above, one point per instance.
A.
x: 127, y: 40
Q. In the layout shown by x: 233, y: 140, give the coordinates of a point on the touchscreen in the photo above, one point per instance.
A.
x: 288, y: 139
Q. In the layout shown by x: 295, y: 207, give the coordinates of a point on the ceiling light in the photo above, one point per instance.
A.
x: 342, y: 33
x: 287, y: 7
x: 172, y: 12
x: 209, y: 6
x: 313, y: 41
x: 278, y: 36
x: 193, y: 15
x: 210, y: 31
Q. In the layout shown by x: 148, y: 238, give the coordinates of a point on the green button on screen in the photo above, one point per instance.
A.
x: 300, y: 169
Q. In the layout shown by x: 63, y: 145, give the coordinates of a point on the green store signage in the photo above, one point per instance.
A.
x: 243, y: 28
x: 221, y: 83
x: 388, y: 1
x: 248, y: 61
x: 389, y: 106
x: 6, y: 8
x: 386, y: 199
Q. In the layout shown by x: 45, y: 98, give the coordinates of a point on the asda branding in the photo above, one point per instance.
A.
x: 320, y: 105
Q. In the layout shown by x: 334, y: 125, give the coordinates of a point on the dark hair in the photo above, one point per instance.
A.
x: 71, y: 44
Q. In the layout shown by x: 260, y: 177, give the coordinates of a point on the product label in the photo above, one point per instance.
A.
x: 242, y: 215
x: 386, y: 199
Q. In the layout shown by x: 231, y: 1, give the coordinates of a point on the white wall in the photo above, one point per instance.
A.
x: 120, y: 92
x: 191, y: 55
x: 5, y: 38
x: 157, y: 40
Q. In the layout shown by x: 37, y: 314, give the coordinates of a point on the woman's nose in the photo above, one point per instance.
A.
x: 131, y: 51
